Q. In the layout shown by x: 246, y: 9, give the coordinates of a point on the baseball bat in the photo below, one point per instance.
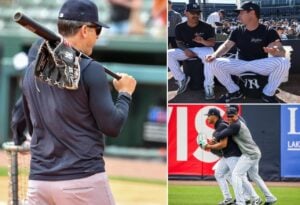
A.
x: 48, y: 35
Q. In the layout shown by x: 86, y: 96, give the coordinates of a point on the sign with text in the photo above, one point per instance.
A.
x: 185, y: 157
x: 290, y: 141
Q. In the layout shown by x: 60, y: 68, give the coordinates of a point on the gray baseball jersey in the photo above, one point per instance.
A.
x: 242, y: 136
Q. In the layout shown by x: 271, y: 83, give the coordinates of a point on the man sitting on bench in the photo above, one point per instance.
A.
x: 254, y: 42
x: 194, y: 38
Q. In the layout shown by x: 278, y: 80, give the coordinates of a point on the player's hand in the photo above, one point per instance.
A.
x: 126, y: 84
x: 198, y: 39
x: 189, y: 53
x: 210, y: 58
x: 211, y: 141
x: 271, y: 50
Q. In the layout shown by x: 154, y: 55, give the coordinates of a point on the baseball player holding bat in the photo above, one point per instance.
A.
x: 68, y: 113
x: 254, y: 42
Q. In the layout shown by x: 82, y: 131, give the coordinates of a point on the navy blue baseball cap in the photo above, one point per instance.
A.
x: 193, y: 7
x: 80, y: 10
x: 231, y: 111
x: 213, y: 111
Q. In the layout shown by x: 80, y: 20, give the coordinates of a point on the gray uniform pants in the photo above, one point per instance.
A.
x: 93, y: 190
x: 244, y: 165
x: 223, y: 173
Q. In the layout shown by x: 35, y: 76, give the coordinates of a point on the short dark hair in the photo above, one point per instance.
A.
x: 68, y: 28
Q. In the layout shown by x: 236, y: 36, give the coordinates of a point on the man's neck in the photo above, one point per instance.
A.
x: 74, y: 43
x: 192, y: 24
x: 252, y: 26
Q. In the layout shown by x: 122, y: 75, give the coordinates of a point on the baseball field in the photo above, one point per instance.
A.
x: 200, y: 194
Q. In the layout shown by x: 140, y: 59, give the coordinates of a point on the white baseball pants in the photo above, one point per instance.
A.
x: 175, y: 55
x: 276, y: 68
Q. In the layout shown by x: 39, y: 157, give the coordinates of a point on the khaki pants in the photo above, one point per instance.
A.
x: 93, y: 190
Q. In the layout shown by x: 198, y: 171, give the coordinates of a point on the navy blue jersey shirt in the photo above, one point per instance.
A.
x: 68, y: 126
x: 232, y: 149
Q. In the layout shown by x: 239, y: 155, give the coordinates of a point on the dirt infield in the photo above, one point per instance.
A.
x: 120, y: 167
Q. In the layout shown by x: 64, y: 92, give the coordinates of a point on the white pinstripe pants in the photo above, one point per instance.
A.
x: 175, y: 55
x: 276, y: 68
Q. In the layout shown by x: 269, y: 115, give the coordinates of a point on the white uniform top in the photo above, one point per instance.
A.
x: 213, y: 18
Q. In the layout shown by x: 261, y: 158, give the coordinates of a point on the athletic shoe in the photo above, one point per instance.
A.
x: 209, y: 92
x: 248, y: 202
x: 270, y: 202
x: 269, y: 99
x: 230, y: 96
x: 182, y: 85
x: 257, y: 201
x: 226, y: 202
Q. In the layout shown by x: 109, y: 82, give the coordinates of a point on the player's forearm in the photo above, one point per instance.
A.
x: 223, y: 49
x: 217, y: 146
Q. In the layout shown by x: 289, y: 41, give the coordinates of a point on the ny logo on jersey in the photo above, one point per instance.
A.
x: 256, y: 40
x: 251, y: 83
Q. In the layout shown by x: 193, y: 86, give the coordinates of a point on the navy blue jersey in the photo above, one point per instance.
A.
x: 68, y: 126
x: 232, y: 149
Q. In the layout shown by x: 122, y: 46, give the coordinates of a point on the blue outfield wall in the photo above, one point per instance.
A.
x: 290, y: 141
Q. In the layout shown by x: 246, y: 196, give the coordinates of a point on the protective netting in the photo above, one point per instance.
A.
x: 18, y: 171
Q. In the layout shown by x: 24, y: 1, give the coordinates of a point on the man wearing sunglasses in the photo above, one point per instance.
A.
x: 248, y: 162
x: 194, y: 38
x: 68, y: 126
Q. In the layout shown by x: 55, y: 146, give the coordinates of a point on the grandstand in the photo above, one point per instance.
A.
x: 270, y: 9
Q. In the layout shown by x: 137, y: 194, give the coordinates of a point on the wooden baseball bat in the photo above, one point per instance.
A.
x: 48, y: 35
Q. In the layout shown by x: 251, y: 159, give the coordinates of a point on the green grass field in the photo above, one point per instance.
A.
x: 210, y: 195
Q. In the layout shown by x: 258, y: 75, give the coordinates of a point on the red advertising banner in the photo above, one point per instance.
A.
x: 185, y: 157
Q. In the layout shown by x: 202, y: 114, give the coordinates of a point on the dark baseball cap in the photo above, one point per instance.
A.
x: 248, y: 6
x: 234, y: 106
x: 80, y: 10
x: 193, y: 7
x: 213, y: 111
x: 231, y: 111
